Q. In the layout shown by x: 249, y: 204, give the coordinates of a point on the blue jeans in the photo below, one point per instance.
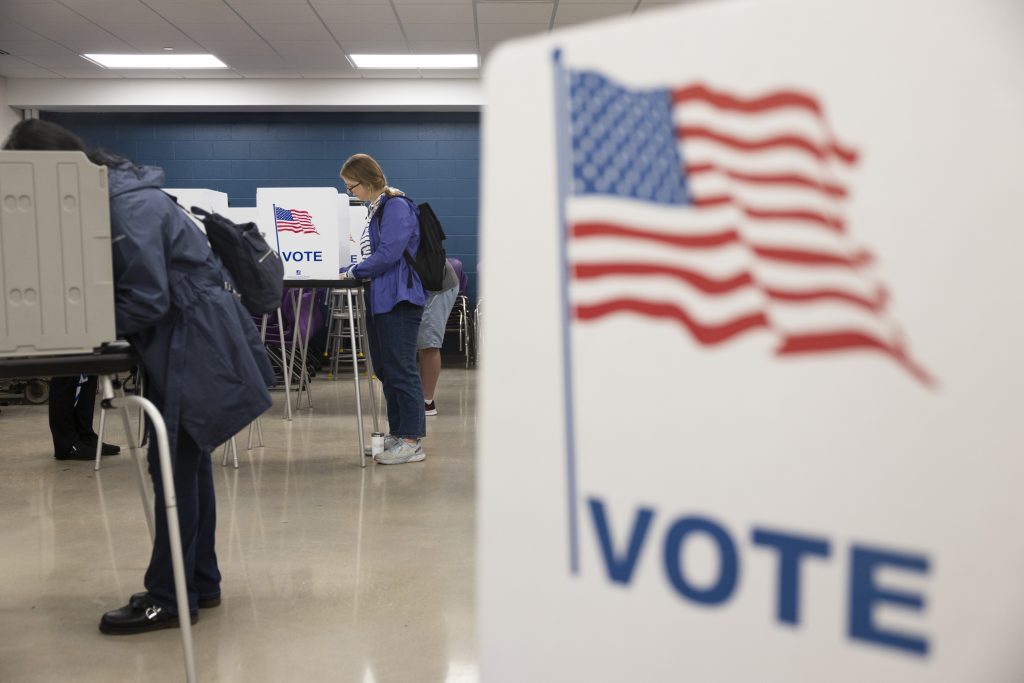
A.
x: 197, y: 516
x: 392, y: 337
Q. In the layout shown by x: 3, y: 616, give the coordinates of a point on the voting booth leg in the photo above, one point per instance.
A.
x: 171, y: 504
x: 297, y: 332
x: 99, y: 438
x: 303, y: 376
x: 367, y: 361
x: 286, y: 369
x: 355, y: 378
x: 234, y: 452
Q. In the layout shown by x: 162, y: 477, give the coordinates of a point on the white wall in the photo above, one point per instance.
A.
x: 442, y: 94
x: 8, y: 115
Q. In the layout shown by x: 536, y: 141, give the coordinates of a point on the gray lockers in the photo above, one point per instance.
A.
x: 55, y: 264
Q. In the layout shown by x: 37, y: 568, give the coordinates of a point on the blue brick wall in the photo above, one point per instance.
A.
x: 433, y: 157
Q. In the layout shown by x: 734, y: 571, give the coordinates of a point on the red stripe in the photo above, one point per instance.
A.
x: 833, y: 190
x: 830, y: 222
x: 722, y: 100
x: 875, y: 306
x: 718, y: 239
x: 705, y: 334
x: 586, y: 271
x: 791, y: 141
x: 852, y: 341
x: 812, y: 258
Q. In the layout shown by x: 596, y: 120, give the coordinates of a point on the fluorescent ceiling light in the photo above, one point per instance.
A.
x: 161, y: 61
x: 415, y: 61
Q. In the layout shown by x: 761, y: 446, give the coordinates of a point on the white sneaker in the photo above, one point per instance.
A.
x: 402, y: 452
x: 389, y: 441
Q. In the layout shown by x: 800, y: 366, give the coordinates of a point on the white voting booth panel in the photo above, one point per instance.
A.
x: 302, y: 224
x: 357, y: 221
x: 55, y: 265
x: 210, y: 200
x: 344, y: 220
x: 770, y: 333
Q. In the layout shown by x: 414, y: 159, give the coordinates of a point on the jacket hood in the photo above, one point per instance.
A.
x: 127, y: 177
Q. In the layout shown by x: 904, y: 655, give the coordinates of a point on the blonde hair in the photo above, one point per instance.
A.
x: 364, y: 169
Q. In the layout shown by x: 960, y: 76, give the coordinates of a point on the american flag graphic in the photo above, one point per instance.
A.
x: 294, y: 220
x: 725, y: 214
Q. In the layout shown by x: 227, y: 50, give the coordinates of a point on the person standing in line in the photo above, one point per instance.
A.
x: 431, y: 335
x: 72, y: 403
x: 207, y: 370
x: 396, y: 300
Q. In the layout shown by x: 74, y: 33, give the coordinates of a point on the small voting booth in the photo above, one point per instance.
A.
x: 57, y: 304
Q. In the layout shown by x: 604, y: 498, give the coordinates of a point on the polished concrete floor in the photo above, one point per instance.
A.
x: 331, y: 572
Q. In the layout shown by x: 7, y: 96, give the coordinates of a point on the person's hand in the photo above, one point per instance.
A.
x: 346, y: 273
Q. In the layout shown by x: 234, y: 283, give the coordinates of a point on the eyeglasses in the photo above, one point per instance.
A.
x: 349, y: 188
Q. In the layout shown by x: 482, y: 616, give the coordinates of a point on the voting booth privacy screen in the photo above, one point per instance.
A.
x: 55, y: 261
x: 302, y: 224
x: 769, y: 331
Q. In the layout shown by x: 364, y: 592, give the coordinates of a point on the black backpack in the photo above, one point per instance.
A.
x: 256, y: 268
x: 430, y: 257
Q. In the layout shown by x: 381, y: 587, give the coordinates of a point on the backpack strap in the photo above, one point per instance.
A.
x: 405, y: 252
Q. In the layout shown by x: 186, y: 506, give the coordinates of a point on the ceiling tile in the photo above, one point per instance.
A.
x: 255, y: 62
x: 364, y: 32
x: 248, y: 48
x: 492, y: 33
x: 472, y: 74
x: 282, y: 31
x: 31, y: 48
x: 568, y: 14
x: 363, y: 14
x: 376, y: 47
x: 58, y: 62
x: 124, y: 11
x: 27, y: 13
x: 213, y: 33
x: 194, y: 11
x: 139, y: 34
x: 398, y: 3
x: 63, y: 31
x: 514, y: 12
x: 12, y: 30
x: 86, y: 73
x: 271, y: 13
x: 440, y: 31
x: 436, y: 14
x: 442, y: 47
x: 30, y: 72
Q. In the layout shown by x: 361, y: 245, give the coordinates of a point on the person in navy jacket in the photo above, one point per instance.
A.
x: 207, y: 371
x: 396, y: 300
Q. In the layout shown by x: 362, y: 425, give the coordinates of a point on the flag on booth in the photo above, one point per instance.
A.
x: 294, y: 220
x: 725, y: 214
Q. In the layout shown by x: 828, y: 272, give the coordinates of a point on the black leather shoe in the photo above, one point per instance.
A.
x: 80, y: 451
x: 204, y: 603
x: 141, y: 617
x: 108, y: 448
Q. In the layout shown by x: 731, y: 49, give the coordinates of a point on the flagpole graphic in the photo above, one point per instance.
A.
x: 563, y: 152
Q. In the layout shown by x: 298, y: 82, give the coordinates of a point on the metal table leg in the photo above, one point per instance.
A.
x: 286, y: 368
x: 355, y: 378
x: 171, y: 504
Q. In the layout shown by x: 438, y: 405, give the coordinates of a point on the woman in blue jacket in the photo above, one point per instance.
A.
x: 207, y: 371
x: 396, y: 300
